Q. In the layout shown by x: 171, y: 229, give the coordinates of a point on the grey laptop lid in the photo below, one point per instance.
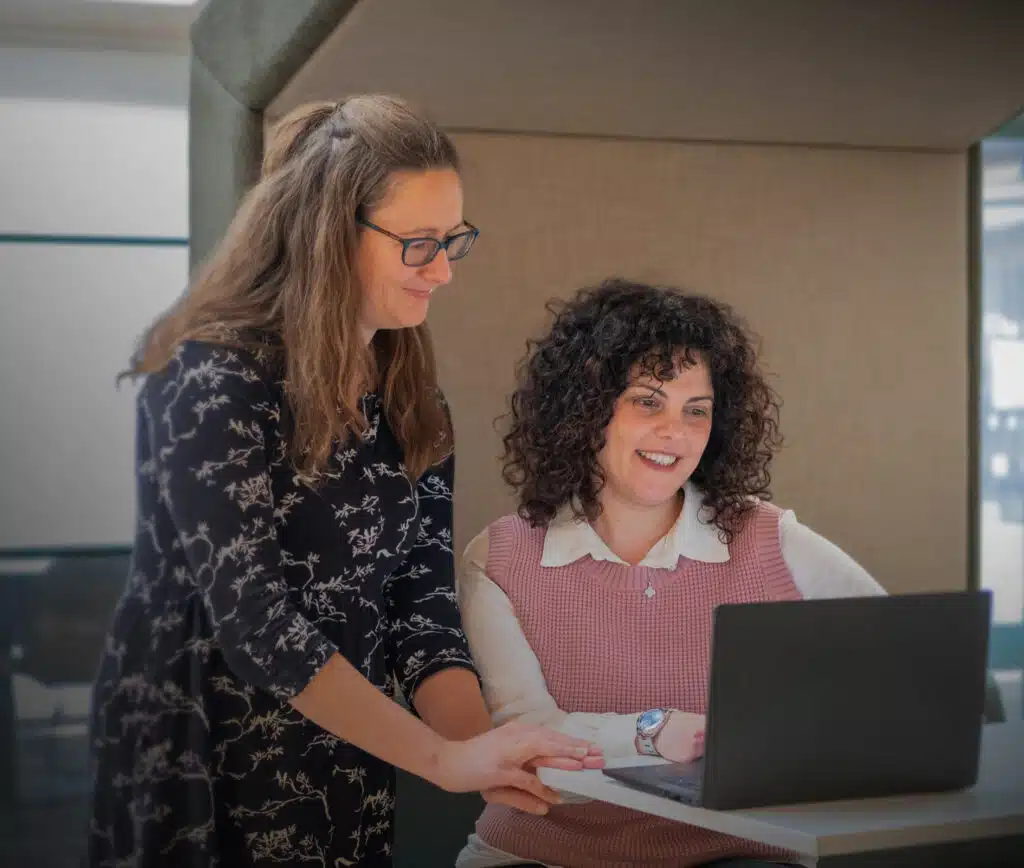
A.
x: 816, y: 700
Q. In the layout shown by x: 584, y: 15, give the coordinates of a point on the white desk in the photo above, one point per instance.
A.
x: 994, y: 807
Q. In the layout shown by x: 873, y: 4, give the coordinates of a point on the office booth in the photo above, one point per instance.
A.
x: 814, y: 164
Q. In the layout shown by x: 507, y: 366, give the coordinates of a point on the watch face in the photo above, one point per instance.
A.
x: 649, y: 720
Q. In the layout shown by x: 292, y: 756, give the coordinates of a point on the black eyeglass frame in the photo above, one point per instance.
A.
x: 438, y: 245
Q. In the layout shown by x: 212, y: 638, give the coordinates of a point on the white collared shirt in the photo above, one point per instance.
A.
x: 513, y: 683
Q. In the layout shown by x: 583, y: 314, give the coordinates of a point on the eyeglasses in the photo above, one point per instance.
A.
x: 417, y: 252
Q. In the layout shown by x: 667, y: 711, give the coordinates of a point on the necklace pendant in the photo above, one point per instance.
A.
x: 649, y: 591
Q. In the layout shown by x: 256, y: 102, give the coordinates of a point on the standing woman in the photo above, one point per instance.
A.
x: 292, y: 565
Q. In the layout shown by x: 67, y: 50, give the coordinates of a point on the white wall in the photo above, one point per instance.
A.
x: 93, y: 222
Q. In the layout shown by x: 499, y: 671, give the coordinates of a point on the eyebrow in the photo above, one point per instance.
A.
x: 428, y: 230
x: 655, y: 390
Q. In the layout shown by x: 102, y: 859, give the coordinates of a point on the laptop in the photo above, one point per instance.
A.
x: 820, y: 700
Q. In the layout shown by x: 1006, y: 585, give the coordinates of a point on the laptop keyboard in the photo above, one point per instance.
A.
x: 685, y: 786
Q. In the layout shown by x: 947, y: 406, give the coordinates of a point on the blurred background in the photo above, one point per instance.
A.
x: 852, y: 180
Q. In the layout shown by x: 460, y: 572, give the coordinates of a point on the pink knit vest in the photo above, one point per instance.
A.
x: 605, y: 647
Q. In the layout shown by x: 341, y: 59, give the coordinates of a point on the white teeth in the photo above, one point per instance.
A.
x: 659, y: 458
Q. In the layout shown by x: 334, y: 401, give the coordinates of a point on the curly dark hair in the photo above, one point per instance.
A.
x: 569, y: 382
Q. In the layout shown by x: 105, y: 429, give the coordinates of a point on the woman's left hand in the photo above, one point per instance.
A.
x: 682, y: 739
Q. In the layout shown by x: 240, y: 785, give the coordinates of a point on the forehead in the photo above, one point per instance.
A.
x: 422, y: 199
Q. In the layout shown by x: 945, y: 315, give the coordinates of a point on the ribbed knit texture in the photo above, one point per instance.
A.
x: 605, y: 647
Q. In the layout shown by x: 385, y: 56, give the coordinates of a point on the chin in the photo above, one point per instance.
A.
x: 415, y: 314
x: 656, y: 499
x: 407, y: 320
x: 413, y: 322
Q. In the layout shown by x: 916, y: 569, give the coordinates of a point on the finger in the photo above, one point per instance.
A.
x: 518, y: 799
x: 523, y: 780
x: 565, y: 763
x: 552, y: 744
x: 546, y: 735
x: 568, y: 764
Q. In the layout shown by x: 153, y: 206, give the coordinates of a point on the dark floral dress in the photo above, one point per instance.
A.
x: 245, y: 579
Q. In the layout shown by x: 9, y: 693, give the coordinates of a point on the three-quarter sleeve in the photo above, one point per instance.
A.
x: 426, y: 633
x: 211, y: 416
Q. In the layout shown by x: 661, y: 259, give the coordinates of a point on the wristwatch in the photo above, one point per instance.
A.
x: 648, y: 725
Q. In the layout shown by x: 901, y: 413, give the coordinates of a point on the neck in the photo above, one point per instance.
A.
x: 631, y: 531
x: 366, y: 382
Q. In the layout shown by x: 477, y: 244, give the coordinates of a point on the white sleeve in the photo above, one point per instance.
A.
x: 513, y: 682
x: 820, y: 568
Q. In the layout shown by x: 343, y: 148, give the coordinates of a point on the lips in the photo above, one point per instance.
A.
x: 658, y: 460
x: 422, y: 294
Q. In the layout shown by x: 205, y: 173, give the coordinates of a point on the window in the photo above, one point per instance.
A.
x: 1001, y: 394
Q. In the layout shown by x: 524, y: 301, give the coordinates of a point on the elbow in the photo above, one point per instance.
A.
x: 536, y: 716
x: 257, y: 667
x: 281, y: 663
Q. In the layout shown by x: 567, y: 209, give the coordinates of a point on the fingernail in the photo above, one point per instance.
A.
x: 540, y: 809
x: 582, y: 751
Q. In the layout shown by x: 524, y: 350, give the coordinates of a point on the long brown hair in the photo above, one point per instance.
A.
x: 285, y: 270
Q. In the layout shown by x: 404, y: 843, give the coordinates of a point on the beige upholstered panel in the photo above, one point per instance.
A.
x: 916, y: 74
x: 851, y: 264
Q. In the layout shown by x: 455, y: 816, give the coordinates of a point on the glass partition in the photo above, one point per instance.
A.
x: 1001, y: 393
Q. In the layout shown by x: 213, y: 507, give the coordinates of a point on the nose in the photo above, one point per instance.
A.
x: 439, y: 270
x: 671, y: 428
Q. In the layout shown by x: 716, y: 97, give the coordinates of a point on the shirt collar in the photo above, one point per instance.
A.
x: 692, y: 536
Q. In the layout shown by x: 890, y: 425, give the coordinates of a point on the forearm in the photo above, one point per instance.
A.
x: 615, y: 734
x: 452, y: 705
x: 344, y: 703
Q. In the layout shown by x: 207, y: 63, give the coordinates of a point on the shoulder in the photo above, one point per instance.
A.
x: 207, y: 366
x: 513, y: 536
x: 766, y: 516
x: 500, y: 533
x: 249, y: 364
x: 760, y: 518
x: 205, y: 383
x: 512, y: 525
x: 819, y: 566
x: 477, y: 550
x: 766, y: 507
x: 765, y: 510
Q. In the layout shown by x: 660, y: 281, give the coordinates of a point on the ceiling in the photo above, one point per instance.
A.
x: 921, y: 74
x: 152, y: 24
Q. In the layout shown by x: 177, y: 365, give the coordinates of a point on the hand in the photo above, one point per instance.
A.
x: 524, y: 801
x: 506, y: 758
x: 681, y: 740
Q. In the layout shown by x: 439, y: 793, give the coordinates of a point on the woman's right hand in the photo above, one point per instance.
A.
x: 503, y: 758
x: 681, y: 739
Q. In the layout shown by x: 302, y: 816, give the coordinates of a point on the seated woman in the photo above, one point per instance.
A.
x: 642, y: 430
